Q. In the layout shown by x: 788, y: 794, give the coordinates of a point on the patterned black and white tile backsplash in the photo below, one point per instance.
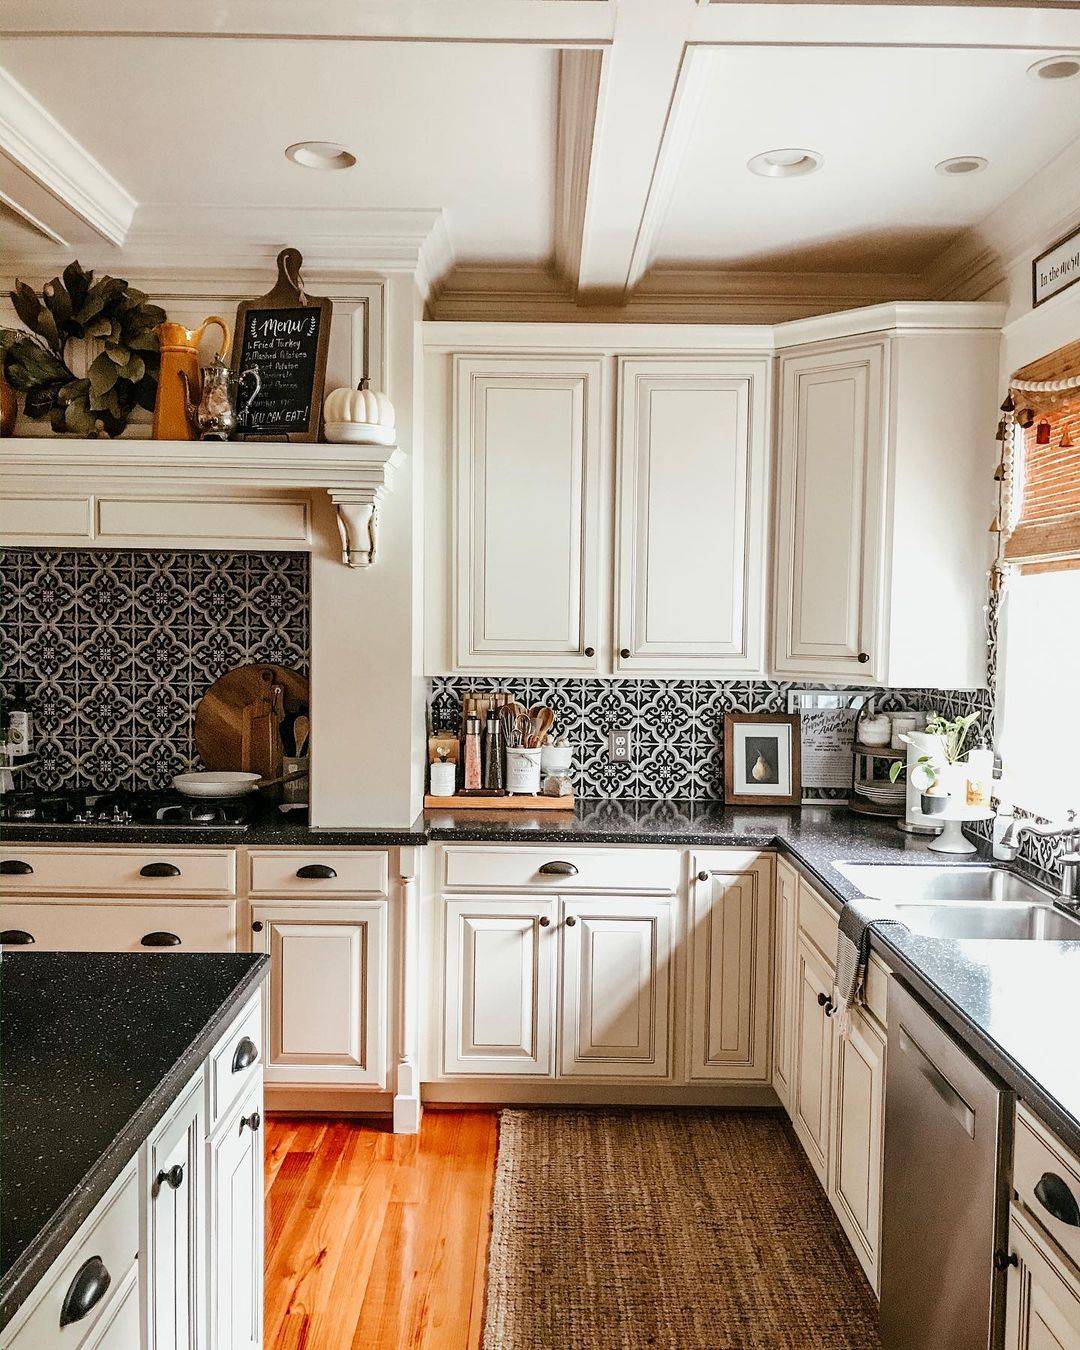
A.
x: 116, y: 648
x: 677, y: 725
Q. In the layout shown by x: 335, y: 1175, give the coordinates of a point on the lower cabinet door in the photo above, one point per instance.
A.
x: 236, y: 1228
x: 119, y: 1328
x: 812, y: 1081
x: 731, y: 961
x: 615, y: 1014
x: 327, y: 999
x: 498, y: 986
x: 174, y: 1192
x: 858, y: 1137
x: 1043, y: 1308
x: 786, y: 912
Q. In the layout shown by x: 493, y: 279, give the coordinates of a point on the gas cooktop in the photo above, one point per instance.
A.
x: 122, y: 807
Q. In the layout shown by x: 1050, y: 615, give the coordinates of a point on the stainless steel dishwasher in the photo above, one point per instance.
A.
x: 945, y: 1193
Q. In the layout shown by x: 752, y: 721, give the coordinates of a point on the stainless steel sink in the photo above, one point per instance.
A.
x: 990, y: 919
x: 903, y: 883
x: 964, y: 901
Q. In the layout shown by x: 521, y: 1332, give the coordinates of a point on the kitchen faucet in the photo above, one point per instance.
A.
x: 1068, y: 896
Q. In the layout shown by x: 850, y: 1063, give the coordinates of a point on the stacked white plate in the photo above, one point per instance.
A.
x: 881, y: 793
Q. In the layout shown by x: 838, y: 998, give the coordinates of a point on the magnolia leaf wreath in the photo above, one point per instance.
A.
x: 121, y: 377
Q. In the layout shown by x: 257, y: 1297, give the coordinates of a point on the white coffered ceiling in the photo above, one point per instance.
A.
x: 601, y: 143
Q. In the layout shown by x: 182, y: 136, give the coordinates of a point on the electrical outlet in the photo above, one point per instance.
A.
x: 620, y: 745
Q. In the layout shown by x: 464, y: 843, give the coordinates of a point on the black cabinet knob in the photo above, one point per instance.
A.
x: 824, y: 1001
x: 545, y: 922
x: 1003, y: 1260
x: 159, y: 869
x: 85, y: 1291
x: 15, y: 867
x: 571, y: 922
x: 863, y: 658
x: 257, y: 927
x: 252, y: 1122
x: 16, y: 937
x: 159, y: 939
x: 703, y: 876
x: 173, y: 1178
x: 558, y: 869
x: 590, y: 651
x: 245, y: 1055
x: 1055, y: 1196
x: 624, y: 653
x: 316, y: 872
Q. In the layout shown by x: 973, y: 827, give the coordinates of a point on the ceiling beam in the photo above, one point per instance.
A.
x: 580, y: 89
x: 553, y: 22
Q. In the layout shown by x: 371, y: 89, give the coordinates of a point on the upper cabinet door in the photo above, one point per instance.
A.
x: 527, y: 447
x: 832, y: 465
x: 692, y: 476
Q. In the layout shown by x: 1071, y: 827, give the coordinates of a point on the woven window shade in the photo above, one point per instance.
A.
x: 1046, y: 532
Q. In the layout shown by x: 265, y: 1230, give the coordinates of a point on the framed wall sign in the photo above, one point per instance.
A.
x: 1057, y: 268
x: 283, y: 335
x: 761, y: 759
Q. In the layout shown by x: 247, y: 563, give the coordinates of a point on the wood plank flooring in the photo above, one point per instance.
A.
x: 375, y: 1239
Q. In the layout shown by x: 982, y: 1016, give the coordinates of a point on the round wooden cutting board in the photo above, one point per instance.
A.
x: 237, y: 710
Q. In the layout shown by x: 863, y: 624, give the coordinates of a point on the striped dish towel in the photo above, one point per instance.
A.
x: 853, y: 950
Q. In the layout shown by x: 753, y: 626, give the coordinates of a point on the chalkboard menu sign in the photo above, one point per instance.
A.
x: 284, y: 336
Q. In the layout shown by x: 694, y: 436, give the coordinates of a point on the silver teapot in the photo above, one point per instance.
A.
x: 222, y: 400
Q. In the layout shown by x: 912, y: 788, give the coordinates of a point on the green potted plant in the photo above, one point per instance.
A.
x: 942, y: 744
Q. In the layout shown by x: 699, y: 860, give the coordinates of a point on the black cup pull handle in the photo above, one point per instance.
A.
x: 15, y: 867
x: 160, y: 869
x: 16, y: 937
x: 316, y: 872
x: 245, y: 1055
x: 252, y: 1122
x: 558, y: 869
x: 1053, y: 1193
x: 85, y: 1291
x: 159, y: 939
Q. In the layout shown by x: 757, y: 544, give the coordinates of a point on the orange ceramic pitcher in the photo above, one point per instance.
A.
x: 179, y: 348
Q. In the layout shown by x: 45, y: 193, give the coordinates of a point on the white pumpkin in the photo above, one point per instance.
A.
x: 369, y: 407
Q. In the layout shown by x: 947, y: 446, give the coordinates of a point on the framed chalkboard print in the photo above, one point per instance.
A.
x: 283, y: 335
x: 761, y: 759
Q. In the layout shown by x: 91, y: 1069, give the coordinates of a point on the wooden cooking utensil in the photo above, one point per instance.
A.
x: 223, y: 721
x: 301, y: 731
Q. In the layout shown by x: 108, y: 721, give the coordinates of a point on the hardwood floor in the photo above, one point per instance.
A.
x: 374, y: 1239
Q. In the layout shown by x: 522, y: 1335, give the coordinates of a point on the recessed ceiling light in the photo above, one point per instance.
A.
x: 784, y: 163
x: 961, y: 164
x: 1055, y: 68
x: 320, y: 155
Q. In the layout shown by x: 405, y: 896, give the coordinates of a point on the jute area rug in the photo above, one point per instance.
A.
x: 688, y: 1228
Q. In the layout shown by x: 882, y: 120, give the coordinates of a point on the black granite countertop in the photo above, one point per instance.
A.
x: 272, y: 830
x: 94, y: 1048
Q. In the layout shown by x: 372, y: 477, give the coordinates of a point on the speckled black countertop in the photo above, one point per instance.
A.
x: 94, y: 1047
x: 272, y: 830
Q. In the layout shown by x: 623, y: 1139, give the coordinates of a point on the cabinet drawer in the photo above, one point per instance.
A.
x: 318, y: 872
x: 1047, y: 1180
x: 818, y: 922
x: 108, y: 871
x: 641, y: 870
x: 235, y: 1064
x: 111, y: 1235
x: 119, y: 926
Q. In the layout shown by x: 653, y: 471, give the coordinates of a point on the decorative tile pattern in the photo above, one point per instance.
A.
x: 118, y: 647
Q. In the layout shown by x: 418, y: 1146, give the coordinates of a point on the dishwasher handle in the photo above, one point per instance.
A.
x: 957, y: 1106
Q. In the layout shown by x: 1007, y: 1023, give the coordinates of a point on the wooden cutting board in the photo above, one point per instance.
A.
x: 236, y: 725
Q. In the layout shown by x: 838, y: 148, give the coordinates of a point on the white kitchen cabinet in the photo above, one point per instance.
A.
x: 174, y: 1226
x: 526, y: 535
x: 786, y: 928
x: 731, y: 961
x: 858, y: 1136
x: 692, y: 474
x: 615, y: 1006
x: 832, y: 467
x: 326, y: 1009
x: 1043, y: 1299
x: 811, y: 1101
x: 236, y: 1228
x: 119, y: 1328
x: 175, y: 925
x: 498, y: 986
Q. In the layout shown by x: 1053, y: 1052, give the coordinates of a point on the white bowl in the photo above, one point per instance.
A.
x: 213, y: 784
x: 359, y: 433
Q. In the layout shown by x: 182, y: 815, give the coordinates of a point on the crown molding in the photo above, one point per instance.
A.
x: 664, y: 295
x: 578, y: 100
x: 37, y: 145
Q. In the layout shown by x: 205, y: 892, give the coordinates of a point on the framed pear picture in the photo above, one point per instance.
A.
x: 762, y: 759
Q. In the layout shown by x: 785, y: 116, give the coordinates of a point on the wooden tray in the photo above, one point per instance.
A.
x: 516, y: 803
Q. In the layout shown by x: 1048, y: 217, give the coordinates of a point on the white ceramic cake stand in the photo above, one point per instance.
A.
x: 952, y: 838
